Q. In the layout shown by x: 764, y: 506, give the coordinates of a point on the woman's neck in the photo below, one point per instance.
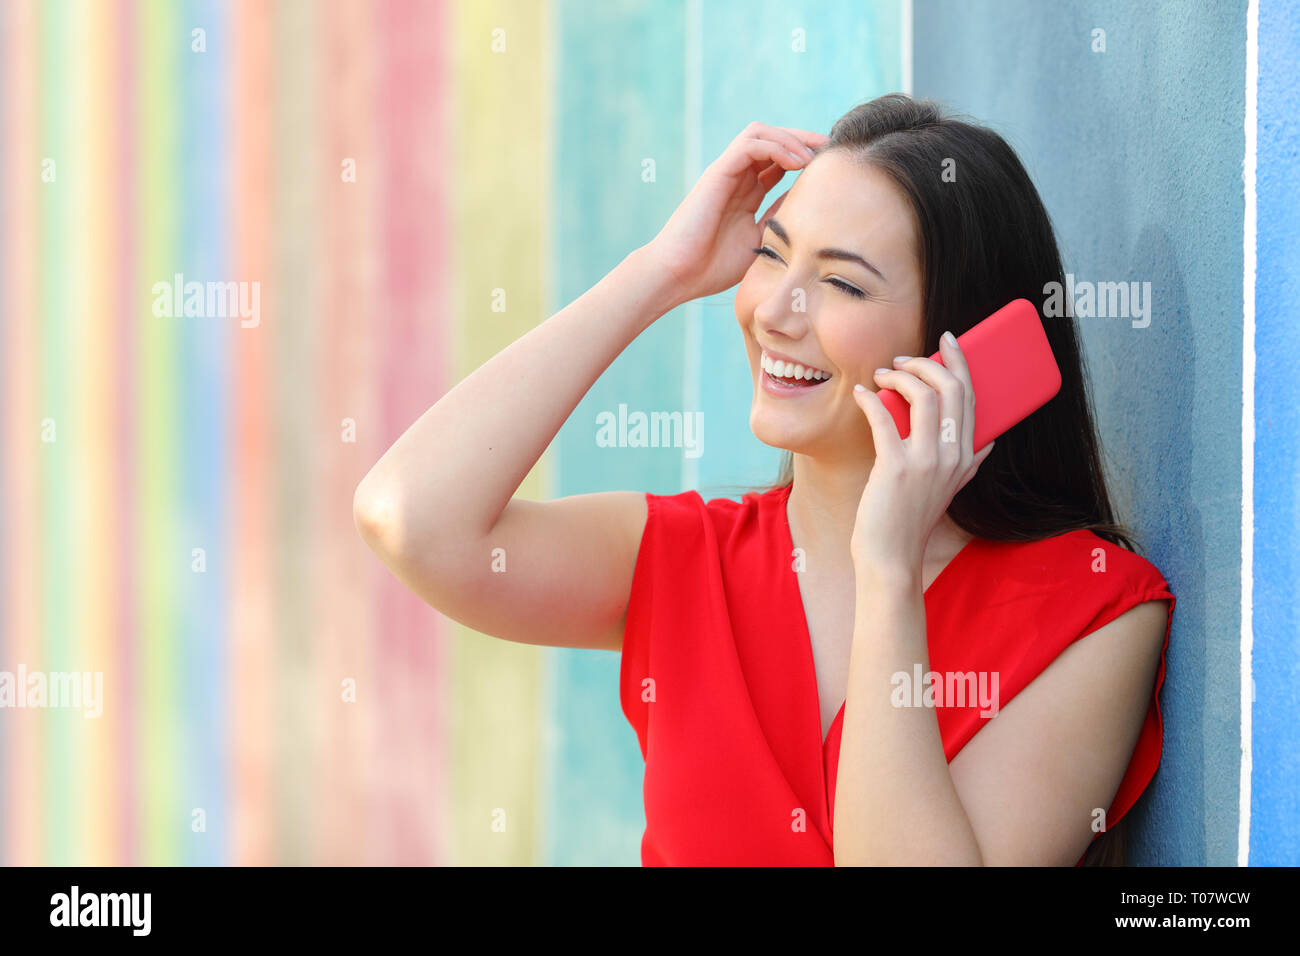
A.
x: 823, y: 508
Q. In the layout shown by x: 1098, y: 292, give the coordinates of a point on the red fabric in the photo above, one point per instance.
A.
x: 732, y: 739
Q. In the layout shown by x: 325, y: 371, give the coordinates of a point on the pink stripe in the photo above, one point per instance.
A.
x: 412, y: 100
x: 126, y: 852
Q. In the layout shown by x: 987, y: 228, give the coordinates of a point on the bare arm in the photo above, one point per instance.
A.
x: 1026, y: 789
x: 439, y: 501
x: 438, y: 504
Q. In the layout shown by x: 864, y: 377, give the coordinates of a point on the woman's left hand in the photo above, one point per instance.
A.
x: 914, y: 480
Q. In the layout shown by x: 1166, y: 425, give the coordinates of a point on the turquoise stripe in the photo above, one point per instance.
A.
x: 606, y: 130
x: 751, y: 71
x: 650, y: 102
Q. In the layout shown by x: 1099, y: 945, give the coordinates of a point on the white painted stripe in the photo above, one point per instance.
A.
x: 1248, y: 431
x: 693, y: 116
x: 905, y: 35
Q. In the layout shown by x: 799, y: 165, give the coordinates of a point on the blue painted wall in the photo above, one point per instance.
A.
x: 603, y: 210
x: 678, y: 82
x: 1137, y: 153
x: 1275, y: 788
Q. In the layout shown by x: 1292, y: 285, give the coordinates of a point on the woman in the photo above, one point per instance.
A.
x: 879, y: 581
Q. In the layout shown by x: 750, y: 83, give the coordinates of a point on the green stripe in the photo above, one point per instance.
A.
x: 56, y: 405
x: 161, y: 555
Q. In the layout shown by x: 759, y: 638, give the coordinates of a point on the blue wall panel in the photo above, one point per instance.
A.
x: 1137, y: 153
x: 1275, y: 791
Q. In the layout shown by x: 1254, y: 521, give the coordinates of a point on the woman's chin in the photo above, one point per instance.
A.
x: 771, y: 433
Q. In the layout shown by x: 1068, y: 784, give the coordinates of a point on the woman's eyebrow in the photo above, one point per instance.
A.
x: 843, y: 254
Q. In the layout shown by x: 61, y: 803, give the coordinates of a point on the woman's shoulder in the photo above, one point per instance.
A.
x: 691, y: 506
x: 1090, y: 554
x: 1078, y: 568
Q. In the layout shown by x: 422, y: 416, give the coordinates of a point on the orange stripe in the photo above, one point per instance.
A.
x: 252, y: 665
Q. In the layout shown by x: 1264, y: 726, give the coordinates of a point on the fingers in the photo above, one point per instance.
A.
x: 956, y: 399
x: 793, y: 141
x: 747, y: 156
x: 765, y: 152
x: 767, y: 145
x: 805, y: 137
x: 812, y: 139
x: 756, y: 165
x: 955, y: 361
x: 883, y: 430
x: 924, y: 403
x: 770, y: 176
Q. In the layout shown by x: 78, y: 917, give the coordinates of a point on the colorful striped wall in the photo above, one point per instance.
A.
x: 176, y: 483
x: 176, y: 488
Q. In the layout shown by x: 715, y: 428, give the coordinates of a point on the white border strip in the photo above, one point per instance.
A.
x: 1248, y: 431
x: 905, y: 57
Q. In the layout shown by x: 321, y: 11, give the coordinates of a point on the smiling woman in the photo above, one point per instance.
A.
x: 760, y: 638
x: 945, y: 209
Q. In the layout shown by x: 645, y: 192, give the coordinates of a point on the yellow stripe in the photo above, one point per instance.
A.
x: 500, y: 134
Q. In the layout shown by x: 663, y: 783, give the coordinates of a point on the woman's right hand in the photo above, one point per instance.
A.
x: 708, y: 242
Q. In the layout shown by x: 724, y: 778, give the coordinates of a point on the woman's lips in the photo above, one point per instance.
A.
x: 778, y: 388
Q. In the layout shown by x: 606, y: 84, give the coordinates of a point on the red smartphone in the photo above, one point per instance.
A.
x: 1012, y: 371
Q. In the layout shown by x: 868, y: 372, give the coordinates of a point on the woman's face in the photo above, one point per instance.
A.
x: 833, y: 314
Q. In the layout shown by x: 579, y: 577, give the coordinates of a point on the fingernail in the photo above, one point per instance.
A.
x: 951, y: 339
x: 859, y: 387
x: 882, y: 371
x: 898, y: 359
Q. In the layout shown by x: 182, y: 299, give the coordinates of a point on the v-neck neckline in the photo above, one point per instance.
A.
x: 807, y: 633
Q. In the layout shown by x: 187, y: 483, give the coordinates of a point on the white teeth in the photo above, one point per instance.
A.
x: 782, y: 369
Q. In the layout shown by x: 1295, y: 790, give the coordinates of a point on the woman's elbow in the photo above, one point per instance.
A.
x: 375, y: 512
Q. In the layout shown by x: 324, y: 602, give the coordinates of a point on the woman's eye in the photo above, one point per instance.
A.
x: 851, y: 290
x: 843, y: 286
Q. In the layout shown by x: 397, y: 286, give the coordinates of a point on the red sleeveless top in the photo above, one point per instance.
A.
x: 717, y: 675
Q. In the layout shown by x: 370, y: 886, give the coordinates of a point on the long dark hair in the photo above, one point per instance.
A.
x: 986, y: 239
